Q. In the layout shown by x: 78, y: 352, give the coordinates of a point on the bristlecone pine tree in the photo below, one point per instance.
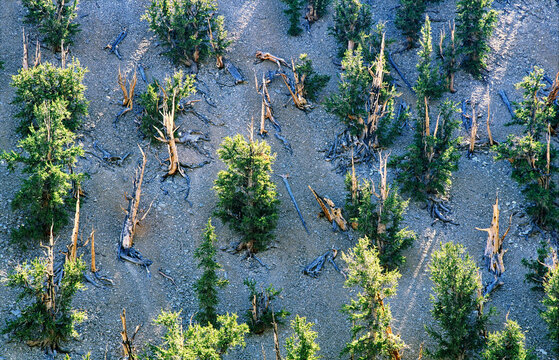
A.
x: 198, y: 342
x: 316, y: 9
x: 301, y: 345
x: 378, y: 216
x: 206, y: 286
x: 48, y: 155
x: 293, y: 11
x: 311, y: 81
x: 476, y: 21
x: 47, y: 82
x: 48, y: 318
x: 218, y: 40
x: 183, y: 26
x: 375, y: 125
x: 508, y: 344
x: 352, y: 19
x: 54, y: 19
x: 155, y: 96
x: 409, y: 18
x: 538, y: 268
x: 551, y: 302
x: 372, y: 336
x: 426, y: 169
x: 447, y: 55
x: 532, y: 159
x: 262, y: 313
x: 428, y: 82
x: 247, y: 198
x: 457, y: 303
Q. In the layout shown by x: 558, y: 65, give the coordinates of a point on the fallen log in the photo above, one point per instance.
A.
x: 331, y: 212
x: 314, y: 268
x: 393, y: 64
x: 284, y: 178
x: 107, y: 156
x: 505, y: 99
x: 285, y: 143
x: 262, y: 56
x: 113, y: 45
x: 235, y: 73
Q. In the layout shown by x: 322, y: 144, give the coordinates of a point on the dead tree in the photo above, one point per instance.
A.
x: 473, y: 133
x: 329, y: 210
x: 126, y: 250
x: 267, y: 112
x: 92, y: 238
x: 297, y: 90
x: 25, y: 57
x: 267, y: 56
x: 127, y: 346
x: 127, y: 93
x: 494, y: 251
x: 74, y: 245
x: 169, y: 139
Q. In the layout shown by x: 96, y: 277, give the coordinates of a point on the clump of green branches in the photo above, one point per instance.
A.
x: 183, y: 26
x: 54, y: 20
x: 293, y: 12
x: 312, y: 82
x: 156, y: 95
x: 262, y: 314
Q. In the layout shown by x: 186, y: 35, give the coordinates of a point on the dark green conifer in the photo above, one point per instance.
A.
x: 293, y: 12
x: 476, y: 21
x: 457, y: 304
x: 428, y: 82
x: 206, y: 286
x: 551, y: 302
x: 301, y: 345
x: 247, y: 198
x: 352, y: 19
x: 312, y: 81
x: 48, y: 153
x: 508, y: 344
x: 409, y: 18
x: 371, y: 333
x: 448, y: 56
x: 262, y: 313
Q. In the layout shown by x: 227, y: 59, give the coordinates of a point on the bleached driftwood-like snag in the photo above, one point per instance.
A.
x: 267, y: 112
x: 169, y: 139
x: 330, y: 211
x: 267, y: 56
x: 127, y: 346
x: 127, y: 93
x: 494, y: 251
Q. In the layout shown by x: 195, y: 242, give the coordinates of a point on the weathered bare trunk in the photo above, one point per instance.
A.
x: 131, y: 218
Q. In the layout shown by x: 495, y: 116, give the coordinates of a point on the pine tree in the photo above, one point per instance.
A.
x: 457, y: 303
x: 301, y: 345
x: 293, y: 11
x: 447, y: 55
x: 219, y: 40
x: 379, y: 220
x: 409, y: 17
x: 508, y: 344
x: 317, y: 9
x: 48, y: 155
x: 426, y: 169
x: 428, y: 82
x: 48, y: 318
x: 372, y: 336
x: 352, y: 19
x: 206, y: 286
x: 53, y: 19
x: 46, y: 82
x: 262, y: 314
x: 551, y: 302
x: 183, y: 26
x: 532, y: 160
x: 198, y: 342
x: 311, y: 80
x: 156, y: 95
x: 475, y: 25
x: 537, y: 269
x: 247, y: 199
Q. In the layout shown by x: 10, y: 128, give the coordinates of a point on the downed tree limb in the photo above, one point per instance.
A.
x: 505, y: 99
x: 267, y: 112
x: 314, y: 268
x: 330, y: 211
x: 473, y: 133
x: 393, y: 64
x: 126, y: 241
x: 235, y: 73
x: 284, y: 178
x: 113, y: 45
x: 262, y: 56
x: 127, y: 93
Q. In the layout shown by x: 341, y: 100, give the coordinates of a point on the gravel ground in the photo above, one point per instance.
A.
x: 172, y: 230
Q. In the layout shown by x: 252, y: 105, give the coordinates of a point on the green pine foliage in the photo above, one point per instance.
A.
x: 313, y: 82
x: 320, y: 6
x: 54, y: 20
x: 206, y: 286
x: 409, y: 18
x: 47, y: 82
x: 448, y: 55
x: 156, y: 95
x: 537, y: 270
x: 456, y: 303
x: 47, y: 155
x: 352, y: 19
x: 379, y: 218
x: 428, y: 82
x: 47, y: 318
x: 262, y: 314
x: 293, y: 12
x: 509, y: 344
x: 183, y: 27
x: 426, y: 169
x: 198, y: 342
x: 551, y: 302
x: 220, y: 41
x: 85, y: 357
x: 371, y: 334
x: 301, y: 345
x: 476, y: 21
x: 533, y: 160
x: 247, y: 198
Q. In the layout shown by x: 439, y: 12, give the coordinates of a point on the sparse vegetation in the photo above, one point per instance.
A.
x: 301, y: 345
x: 293, y: 11
x: 551, y: 302
x: 262, y: 313
x: 352, y: 19
x: 508, y: 344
